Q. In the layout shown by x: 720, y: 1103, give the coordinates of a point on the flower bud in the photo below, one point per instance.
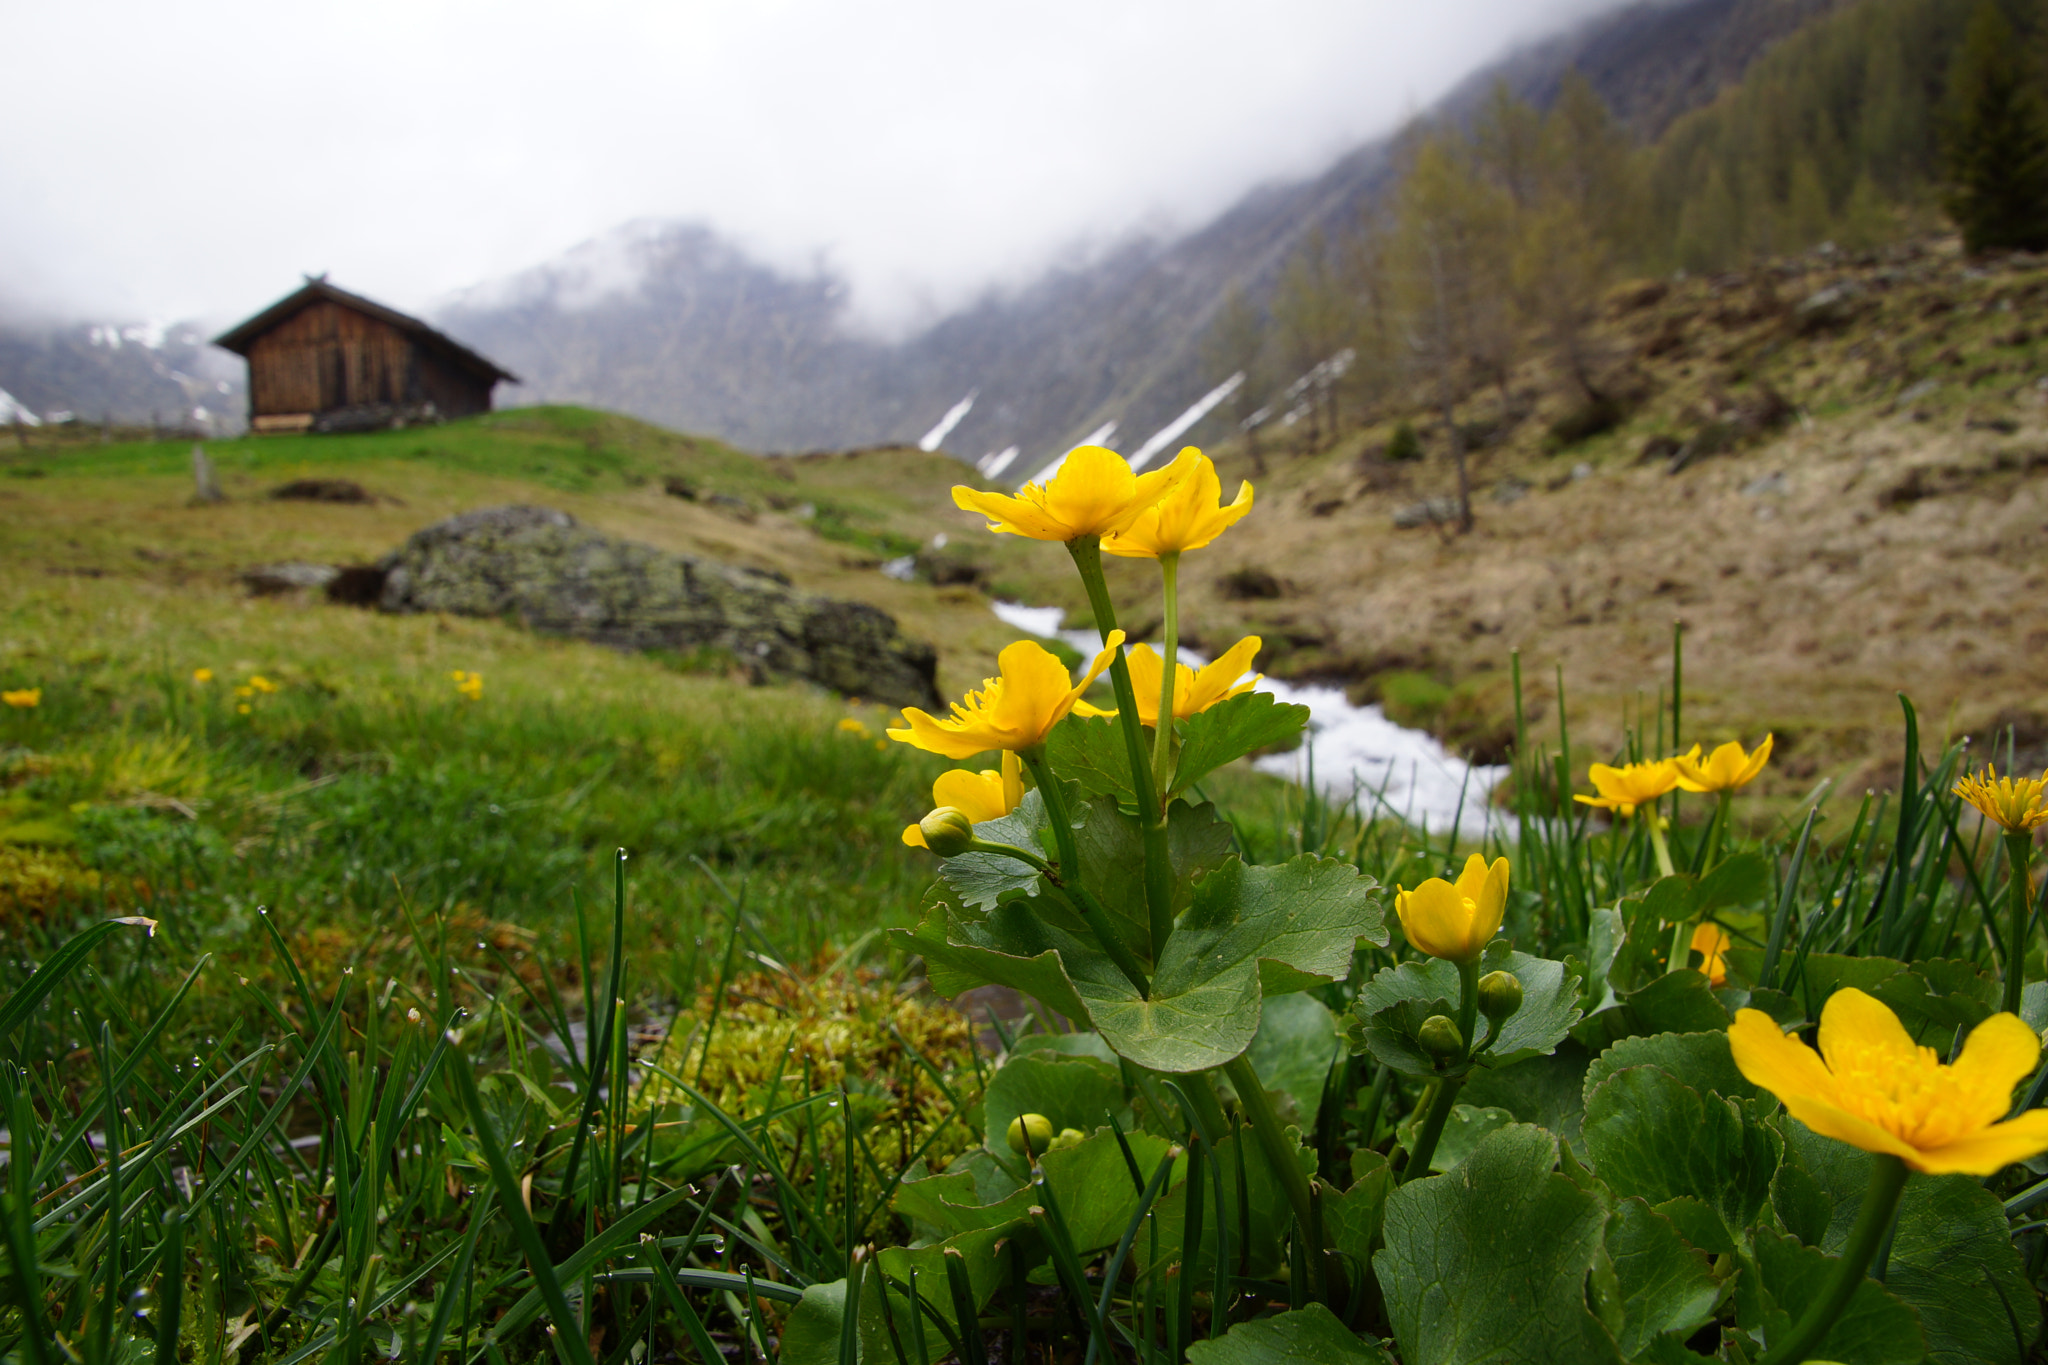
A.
x: 1440, y: 1038
x: 1500, y: 995
x: 947, y: 831
x: 1030, y: 1133
x: 1069, y: 1137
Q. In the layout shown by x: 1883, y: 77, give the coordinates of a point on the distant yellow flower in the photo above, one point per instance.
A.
x: 1095, y: 493
x: 243, y: 708
x: 1014, y: 711
x: 470, y: 685
x: 259, y: 683
x: 1190, y: 515
x: 1710, y: 941
x: 245, y: 692
x: 1728, y: 768
x: 1879, y: 1091
x: 855, y: 726
x: 2015, y: 802
x: 1193, y: 692
x: 987, y: 795
x: 202, y: 675
x: 1636, y: 784
x: 25, y: 699
x: 1456, y: 920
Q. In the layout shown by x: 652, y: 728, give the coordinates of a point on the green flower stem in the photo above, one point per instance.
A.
x: 1449, y: 1085
x: 2019, y: 852
x: 1068, y: 876
x: 1432, y: 1128
x: 1079, y: 897
x: 1022, y: 855
x: 1724, y: 805
x: 1087, y: 555
x: 1162, y: 733
x: 1648, y: 815
x: 1880, y: 1201
x: 1280, y: 1154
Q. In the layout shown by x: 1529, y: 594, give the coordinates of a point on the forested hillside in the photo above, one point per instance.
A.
x: 1876, y: 124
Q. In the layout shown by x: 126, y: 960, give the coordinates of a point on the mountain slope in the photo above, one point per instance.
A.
x: 670, y: 323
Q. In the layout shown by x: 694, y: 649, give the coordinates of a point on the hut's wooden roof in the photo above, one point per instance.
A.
x: 316, y: 290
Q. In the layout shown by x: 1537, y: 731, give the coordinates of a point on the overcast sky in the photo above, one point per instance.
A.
x: 171, y: 160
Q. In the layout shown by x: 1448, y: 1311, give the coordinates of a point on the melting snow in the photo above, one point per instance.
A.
x: 946, y: 424
x: 995, y: 462
x: 12, y: 411
x: 1357, y: 752
x: 1171, y: 432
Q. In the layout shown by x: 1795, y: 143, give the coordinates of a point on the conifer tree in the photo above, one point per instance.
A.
x: 1997, y: 140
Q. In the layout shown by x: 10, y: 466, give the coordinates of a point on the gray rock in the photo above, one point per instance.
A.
x: 1829, y: 308
x: 1428, y: 512
x: 544, y: 569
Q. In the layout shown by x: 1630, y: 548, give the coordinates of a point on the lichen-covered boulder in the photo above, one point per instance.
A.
x: 551, y: 573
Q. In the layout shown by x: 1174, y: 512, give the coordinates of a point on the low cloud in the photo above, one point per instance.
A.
x: 192, y: 160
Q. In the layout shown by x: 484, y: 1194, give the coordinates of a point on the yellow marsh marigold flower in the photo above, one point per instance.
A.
x: 470, y: 685
x: 1014, y: 711
x: 1710, y: 941
x: 259, y: 683
x: 1725, y: 769
x: 202, y: 675
x: 1190, y: 515
x: 1871, y: 1087
x: 1095, y: 493
x: 23, y: 699
x: 1456, y: 920
x: 855, y: 726
x: 1193, y: 692
x: 2015, y: 802
x: 1636, y: 784
x: 986, y: 795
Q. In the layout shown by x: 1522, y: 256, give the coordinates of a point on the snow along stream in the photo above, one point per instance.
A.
x: 1357, y: 750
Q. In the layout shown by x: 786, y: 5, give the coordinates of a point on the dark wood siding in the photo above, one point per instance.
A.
x: 453, y: 392
x: 328, y: 356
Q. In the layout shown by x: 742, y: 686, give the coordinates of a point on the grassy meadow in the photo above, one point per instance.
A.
x: 417, y: 988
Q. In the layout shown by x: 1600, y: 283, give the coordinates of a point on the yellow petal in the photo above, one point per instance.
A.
x: 1710, y: 941
x: 1780, y: 1064
x: 1013, y: 781
x: 1756, y: 762
x: 1853, y: 1024
x: 1034, y: 684
x: 1439, y: 920
x: 1145, y: 665
x: 1008, y: 515
x: 1999, y: 1053
x: 979, y: 796
x: 1493, y: 903
x: 1217, y: 680
x: 913, y: 836
x: 1186, y: 517
x: 1992, y: 1149
x: 946, y: 738
x: 1830, y: 1121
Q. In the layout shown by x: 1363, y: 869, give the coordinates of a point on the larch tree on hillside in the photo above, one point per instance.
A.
x: 1997, y: 140
x: 1451, y: 276
x: 1311, y: 314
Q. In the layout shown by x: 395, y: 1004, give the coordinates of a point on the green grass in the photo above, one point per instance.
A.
x: 368, y: 1084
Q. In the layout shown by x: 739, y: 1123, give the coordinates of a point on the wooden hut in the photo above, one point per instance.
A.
x: 323, y: 359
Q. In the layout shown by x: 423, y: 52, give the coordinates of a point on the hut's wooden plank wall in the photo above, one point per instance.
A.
x: 327, y: 356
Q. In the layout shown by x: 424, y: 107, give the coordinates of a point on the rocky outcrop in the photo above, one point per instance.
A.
x: 551, y: 573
